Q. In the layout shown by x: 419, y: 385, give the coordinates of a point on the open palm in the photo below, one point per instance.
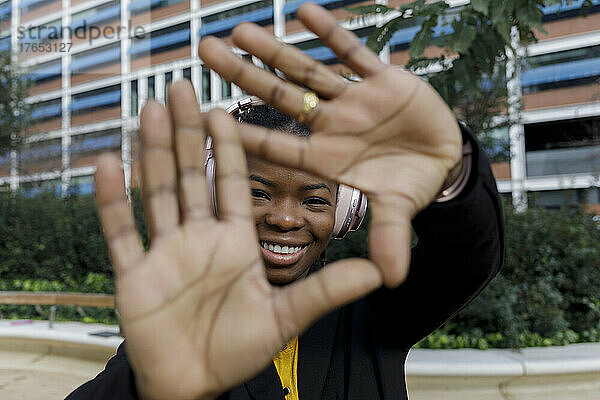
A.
x: 390, y: 135
x: 196, y: 309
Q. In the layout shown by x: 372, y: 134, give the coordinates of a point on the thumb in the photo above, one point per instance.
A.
x: 301, y: 303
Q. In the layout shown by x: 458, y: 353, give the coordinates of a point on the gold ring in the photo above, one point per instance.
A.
x: 310, y: 101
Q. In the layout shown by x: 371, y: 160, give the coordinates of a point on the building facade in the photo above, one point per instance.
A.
x: 94, y: 63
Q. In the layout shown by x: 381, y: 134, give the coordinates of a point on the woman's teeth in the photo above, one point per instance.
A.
x: 281, y: 249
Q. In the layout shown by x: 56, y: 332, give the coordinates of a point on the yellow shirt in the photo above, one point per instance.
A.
x: 286, y: 363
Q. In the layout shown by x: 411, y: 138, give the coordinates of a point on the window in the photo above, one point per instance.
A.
x: 32, y: 189
x: 225, y: 89
x: 44, y: 33
x: 95, y: 100
x: 82, y: 185
x: 95, y: 17
x: 134, y: 98
x: 151, y: 87
x: 5, y: 11
x: 567, y: 9
x: 563, y: 147
x: 317, y: 50
x: 40, y: 156
x: 187, y: 74
x: 206, y: 85
x: 220, y: 24
x: 561, y: 69
x: 142, y: 6
x: 160, y: 40
x: 95, y: 58
x: 46, y: 110
x: 30, y: 5
x: 168, y: 80
x: 89, y: 144
x: 292, y: 5
x: 46, y: 71
x: 555, y: 199
x: 5, y: 43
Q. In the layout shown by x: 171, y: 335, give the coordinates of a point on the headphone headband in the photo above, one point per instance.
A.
x: 351, y: 204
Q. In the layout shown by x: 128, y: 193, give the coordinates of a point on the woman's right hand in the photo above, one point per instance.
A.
x: 196, y: 309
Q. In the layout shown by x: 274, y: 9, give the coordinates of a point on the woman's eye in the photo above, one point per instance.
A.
x: 316, y: 201
x: 259, y: 194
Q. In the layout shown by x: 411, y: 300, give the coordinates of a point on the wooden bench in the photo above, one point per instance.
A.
x: 54, y: 299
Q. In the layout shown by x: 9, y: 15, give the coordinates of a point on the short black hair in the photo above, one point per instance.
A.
x: 269, y: 117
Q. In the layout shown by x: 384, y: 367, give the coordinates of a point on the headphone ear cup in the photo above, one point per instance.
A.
x: 350, y: 210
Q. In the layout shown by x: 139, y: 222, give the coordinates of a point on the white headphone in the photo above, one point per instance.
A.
x: 351, y: 205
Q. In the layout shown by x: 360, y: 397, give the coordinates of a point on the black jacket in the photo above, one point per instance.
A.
x: 358, y: 352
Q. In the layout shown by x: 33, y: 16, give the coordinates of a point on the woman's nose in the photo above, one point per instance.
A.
x: 285, y: 216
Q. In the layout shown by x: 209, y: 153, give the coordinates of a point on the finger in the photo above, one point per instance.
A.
x: 341, y: 282
x: 159, y: 174
x: 231, y: 175
x: 189, y: 144
x: 116, y: 217
x: 311, y: 154
x: 344, y: 44
x: 283, y: 95
x: 390, y: 236
x: 296, y: 65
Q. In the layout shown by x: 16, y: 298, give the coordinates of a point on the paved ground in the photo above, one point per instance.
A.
x: 37, y: 363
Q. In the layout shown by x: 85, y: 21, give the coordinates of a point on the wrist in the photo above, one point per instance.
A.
x: 457, y: 177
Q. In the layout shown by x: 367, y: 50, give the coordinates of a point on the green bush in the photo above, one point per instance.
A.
x: 548, y: 289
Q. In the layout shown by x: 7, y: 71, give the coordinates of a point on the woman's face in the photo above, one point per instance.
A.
x: 294, y: 213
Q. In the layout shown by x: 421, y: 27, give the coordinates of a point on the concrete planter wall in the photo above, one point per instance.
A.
x: 565, y: 373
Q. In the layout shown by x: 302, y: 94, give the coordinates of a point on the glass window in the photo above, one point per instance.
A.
x: 563, y: 147
x: 95, y: 100
x: 168, y: 80
x: 46, y: 71
x: 151, y: 87
x: 40, y: 156
x: 561, y: 69
x: 95, y: 58
x: 31, y: 189
x: 292, y: 5
x: 187, y: 74
x: 220, y: 24
x: 96, y: 16
x: 206, y: 97
x: 82, y: 185
x: 25, y: 9
x: 142, y: 6
x: 46, y: 110
x: 134, y: 98
x: 86, y: 146
x: 317, y: 50
x: 225, y: 89
x: 47, y: 32
x: 154, y: 42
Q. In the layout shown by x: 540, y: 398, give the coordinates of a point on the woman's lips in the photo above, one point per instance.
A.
x: 282, y: 260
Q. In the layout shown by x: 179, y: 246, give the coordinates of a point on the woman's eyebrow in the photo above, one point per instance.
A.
x: 262, y: 180
x: 316, y: 186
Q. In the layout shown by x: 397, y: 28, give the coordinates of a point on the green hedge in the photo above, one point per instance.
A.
x: 547, y: 293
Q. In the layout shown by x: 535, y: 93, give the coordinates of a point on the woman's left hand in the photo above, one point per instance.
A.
x: 390, y: 135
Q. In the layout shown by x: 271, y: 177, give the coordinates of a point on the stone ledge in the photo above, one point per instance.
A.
x: 575, y: 358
